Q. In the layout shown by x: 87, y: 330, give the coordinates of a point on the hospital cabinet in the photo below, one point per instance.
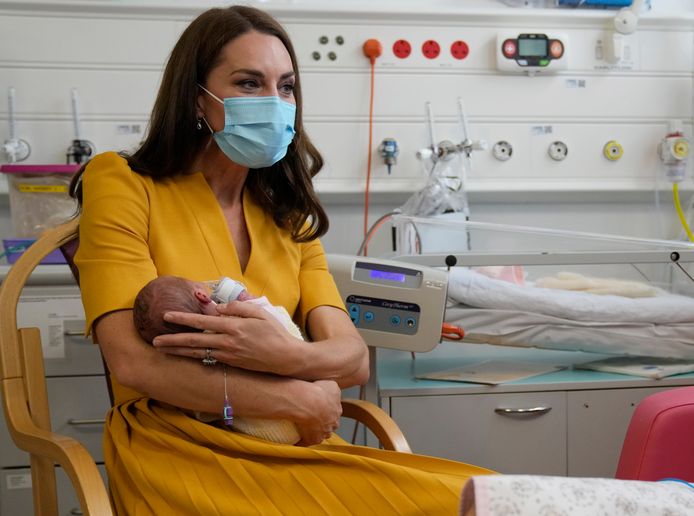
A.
x: 568, y: 422
x: 77, y: 391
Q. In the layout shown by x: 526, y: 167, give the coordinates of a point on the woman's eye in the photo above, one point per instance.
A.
x: 287, y: 89
x: 248, y: 84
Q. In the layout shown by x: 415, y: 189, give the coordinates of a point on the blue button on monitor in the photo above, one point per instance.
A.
x: 395, y: 320
x: 368, y: 316
x: 410, y: 322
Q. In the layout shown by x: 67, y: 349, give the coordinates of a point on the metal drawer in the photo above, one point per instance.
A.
x: 506, y: 432
x: 57, y: 312
x: 16, y: 497
x: 78, y: 406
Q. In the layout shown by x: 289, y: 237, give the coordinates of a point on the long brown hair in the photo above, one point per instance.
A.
x: 284, y: 189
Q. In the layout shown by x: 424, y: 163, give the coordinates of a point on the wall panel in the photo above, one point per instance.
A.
x: 113, y: 53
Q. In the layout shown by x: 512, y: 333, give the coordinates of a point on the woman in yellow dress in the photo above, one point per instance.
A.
x: 221, y: 186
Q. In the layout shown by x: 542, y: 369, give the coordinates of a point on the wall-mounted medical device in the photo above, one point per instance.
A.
x: 392, y: 304
x: 531, y: 52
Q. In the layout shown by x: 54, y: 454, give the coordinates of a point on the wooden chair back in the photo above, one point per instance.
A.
x: 24, y: 395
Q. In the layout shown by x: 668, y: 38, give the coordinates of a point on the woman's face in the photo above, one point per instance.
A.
x: 251, y: 65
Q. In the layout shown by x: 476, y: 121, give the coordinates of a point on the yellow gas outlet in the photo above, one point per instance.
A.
x: 681, y: 148
x: 613, y: 150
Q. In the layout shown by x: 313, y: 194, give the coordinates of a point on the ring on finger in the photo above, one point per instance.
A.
x: 209, y: 360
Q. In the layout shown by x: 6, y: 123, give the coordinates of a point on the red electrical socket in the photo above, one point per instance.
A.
x: 372, y: 49
x: 402, y: 48
x: 459, y: 49
x: 431, y: 49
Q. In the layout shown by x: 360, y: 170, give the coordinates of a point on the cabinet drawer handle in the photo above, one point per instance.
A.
x: 82, y: 422
x: 522, y: 411
x: 74, y: 333
x: 76, y: 512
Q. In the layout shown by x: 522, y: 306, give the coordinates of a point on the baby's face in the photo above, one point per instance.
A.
x: 203, y: 295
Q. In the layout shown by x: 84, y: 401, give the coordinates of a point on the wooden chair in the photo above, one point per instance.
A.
x: 25, y: 400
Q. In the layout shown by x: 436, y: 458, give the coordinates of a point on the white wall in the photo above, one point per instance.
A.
x: 113, y: 53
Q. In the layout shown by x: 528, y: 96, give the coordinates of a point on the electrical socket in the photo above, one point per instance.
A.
x: 431, y: 49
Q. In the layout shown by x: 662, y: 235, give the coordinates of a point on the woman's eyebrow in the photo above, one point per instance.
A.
x: 259, y: 74
x: 248, y: 71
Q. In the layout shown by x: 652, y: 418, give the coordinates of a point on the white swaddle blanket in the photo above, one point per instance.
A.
x: 276, y: 430
x: 280, y: 431
x: 474, y: 289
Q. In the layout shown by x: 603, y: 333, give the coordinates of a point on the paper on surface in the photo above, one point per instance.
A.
x: 491, y: 372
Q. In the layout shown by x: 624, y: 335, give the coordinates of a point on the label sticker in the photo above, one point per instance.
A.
x: 19, y: 481
x: 49, y: 314
x: 27, y: 188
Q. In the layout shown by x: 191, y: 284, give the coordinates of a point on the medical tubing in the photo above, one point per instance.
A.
x: 687, y: 216
x: 368, y: 162
x: 678, y: 480
x: 680, y: 213
x: 372, y: 230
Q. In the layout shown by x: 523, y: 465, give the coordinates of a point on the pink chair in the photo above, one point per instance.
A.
x: 660, y: 439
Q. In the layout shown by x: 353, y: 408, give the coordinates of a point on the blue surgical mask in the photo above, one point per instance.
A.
x: 257, y: 130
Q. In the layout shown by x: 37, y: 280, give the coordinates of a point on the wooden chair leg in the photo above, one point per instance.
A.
x: 42, y: 469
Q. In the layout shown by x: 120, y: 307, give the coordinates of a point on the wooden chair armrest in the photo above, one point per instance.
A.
x: 64, y: 451
x: 376, y: 420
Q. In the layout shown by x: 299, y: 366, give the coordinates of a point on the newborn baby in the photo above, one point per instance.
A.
x: 176, y: 294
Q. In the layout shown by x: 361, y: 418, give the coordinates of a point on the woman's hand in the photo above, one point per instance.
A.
x: 322, y: 416
x: 247, y: 336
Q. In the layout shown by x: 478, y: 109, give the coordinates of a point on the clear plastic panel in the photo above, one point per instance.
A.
x: 522, y: 253
x: 524, y: 286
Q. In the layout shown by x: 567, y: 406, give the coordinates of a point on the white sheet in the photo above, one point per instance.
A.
x: 474, y: 289
x: 526, y: 329
x: 501, y: 313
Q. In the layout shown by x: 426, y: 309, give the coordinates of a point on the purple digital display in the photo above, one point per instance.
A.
x: 385, y: 275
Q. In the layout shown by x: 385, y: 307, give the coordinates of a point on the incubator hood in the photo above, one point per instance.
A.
x: 535, y: 287
x: 448, y: 240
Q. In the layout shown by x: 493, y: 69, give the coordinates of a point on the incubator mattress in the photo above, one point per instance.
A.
x: 502, y: 313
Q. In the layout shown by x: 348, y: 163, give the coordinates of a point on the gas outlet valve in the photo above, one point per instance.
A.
x: 389, y: 152
x: 502, y: 150
x: 613, y: 150
x: 673, y: 151
x: 558, y: 151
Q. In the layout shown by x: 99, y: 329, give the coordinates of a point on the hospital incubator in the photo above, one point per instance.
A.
x: 522, y: 286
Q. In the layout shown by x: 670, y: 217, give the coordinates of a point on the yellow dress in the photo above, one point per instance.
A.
x: 162, y: 461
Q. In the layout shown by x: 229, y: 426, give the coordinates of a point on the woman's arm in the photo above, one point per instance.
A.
x: 185, y: 383
x: 249, y: 338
